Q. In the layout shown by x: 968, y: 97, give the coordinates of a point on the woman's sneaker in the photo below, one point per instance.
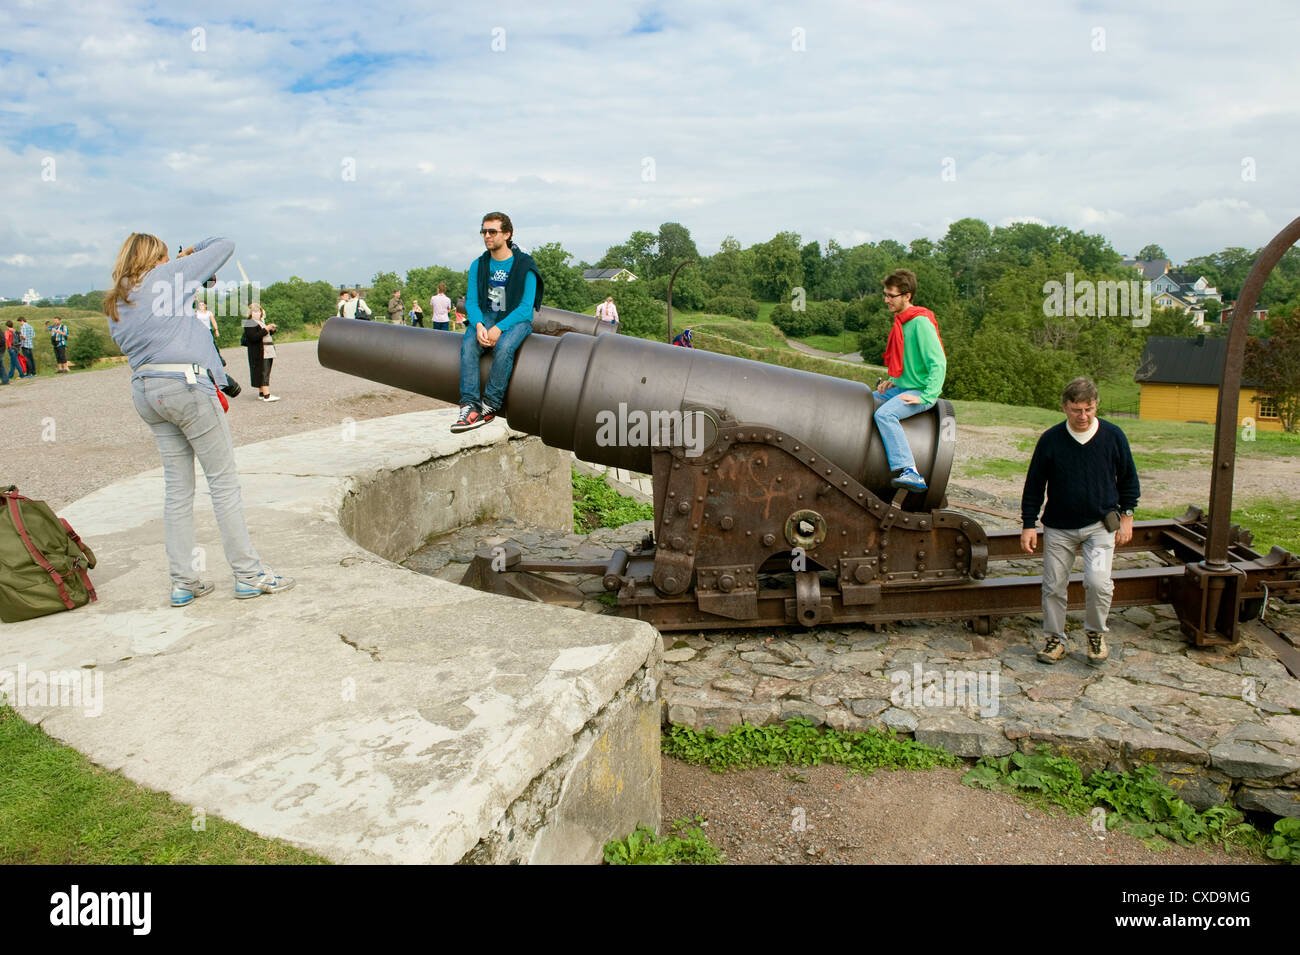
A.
x: 266, y: 584
x: 181, y: 597
x: 269, y: 397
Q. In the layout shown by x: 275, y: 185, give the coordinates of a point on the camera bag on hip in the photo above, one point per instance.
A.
x: 43, y: 562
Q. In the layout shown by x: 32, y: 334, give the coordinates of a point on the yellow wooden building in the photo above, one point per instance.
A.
x: 1179, y: 380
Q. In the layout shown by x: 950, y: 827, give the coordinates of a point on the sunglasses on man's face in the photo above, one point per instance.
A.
x: 488, y: 231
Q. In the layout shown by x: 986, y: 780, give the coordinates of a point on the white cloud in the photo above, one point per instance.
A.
x: 749, y: 136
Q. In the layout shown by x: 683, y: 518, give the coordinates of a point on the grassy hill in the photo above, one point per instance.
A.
x: 78, y: 319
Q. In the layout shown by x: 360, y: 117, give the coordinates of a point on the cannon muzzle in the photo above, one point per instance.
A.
x: 587, y: 393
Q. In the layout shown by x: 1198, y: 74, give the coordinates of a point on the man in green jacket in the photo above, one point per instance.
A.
x: 916, y: 365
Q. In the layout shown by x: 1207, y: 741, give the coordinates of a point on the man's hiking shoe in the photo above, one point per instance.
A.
x: 181, y: 597
x: 489, y: 413
x: 470, y: 418
x: 266, y: 584
x: 909, y: 479
x: 1097, y: 649
x: 1053, y: 651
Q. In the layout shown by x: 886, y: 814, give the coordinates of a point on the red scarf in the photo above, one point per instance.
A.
x: 894, y: 345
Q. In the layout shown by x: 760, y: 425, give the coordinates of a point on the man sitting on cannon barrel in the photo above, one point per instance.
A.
x: 505, y: 287
x: 916, y: 365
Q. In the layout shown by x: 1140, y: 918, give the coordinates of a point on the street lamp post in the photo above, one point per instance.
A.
x: 671, y: 279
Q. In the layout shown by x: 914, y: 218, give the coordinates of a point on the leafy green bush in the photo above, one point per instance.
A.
x: 86, y: 347
x: 1009, y: 369
x: 1141, y: 802
x: 735, y: 307
x: 795, y: 323
x: 596, y: 504
x: 682, y: 847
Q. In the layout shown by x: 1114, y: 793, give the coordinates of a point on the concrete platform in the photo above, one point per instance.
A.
x: 371, y: 714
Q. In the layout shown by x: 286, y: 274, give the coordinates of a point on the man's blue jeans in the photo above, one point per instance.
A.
x: 503, y: 363
x: 15, y: 370
x: 890, y: 410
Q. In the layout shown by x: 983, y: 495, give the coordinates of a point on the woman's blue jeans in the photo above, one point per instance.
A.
x: 503, y: 363
x: 187, y: 422
x: 890, y: 410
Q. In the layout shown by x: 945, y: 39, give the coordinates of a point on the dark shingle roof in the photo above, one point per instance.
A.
x: 1184, y: 361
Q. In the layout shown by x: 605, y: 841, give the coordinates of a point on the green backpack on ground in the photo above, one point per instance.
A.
x: 43, y: 562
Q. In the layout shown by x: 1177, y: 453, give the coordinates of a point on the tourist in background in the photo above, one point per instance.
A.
x: 441, y: 306
x: 417, y: 314
x: 607, y: 311
x: 59, y: 339
x: 261, y: 351
x: 11, y: 349
x: 395, y: 308
x: 27, y: 346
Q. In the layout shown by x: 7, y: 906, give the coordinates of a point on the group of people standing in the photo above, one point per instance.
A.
x: 444, y: 315
x: 20, y: 348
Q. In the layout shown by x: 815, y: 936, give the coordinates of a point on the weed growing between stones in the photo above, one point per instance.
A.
x: 682, y: 846
x: 1139, y: 802
x: 596, y: 504
x: 799, y: 743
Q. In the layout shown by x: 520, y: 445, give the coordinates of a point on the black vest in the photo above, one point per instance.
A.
x: 519, y: 270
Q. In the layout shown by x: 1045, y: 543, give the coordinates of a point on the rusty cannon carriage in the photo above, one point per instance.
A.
x: 772, y: 501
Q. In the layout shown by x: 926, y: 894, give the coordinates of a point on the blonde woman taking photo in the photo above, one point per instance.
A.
x: 171, y: 358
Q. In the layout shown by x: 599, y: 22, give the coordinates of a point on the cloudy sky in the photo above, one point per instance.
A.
x: 333, y: 141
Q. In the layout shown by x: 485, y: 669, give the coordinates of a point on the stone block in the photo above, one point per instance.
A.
x: 799, y: 709
x: 868, y: 708
x: 680, y: 655
x: 1145, y: 747
x: 1195, y: 785
x: 900, y: 720
x: 788, y: 672
x: 1280, y: 802
x: 862, y: 660
x: 1250, y: 761
x: 962, y: 736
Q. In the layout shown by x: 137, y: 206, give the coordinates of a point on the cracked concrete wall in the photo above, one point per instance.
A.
x: 394, y: 513
x: 601, y: 790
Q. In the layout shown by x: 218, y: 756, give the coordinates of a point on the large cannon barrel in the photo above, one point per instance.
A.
x: 558, y: 321
x: 563, y: 388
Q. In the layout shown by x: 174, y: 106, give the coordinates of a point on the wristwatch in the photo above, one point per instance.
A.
x: 1126, y: 512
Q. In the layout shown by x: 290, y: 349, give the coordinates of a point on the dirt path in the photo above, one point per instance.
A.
x: 826, y: 814
x: 852, y: 357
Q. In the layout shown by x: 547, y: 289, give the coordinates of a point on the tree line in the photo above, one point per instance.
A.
x: 986, y: 285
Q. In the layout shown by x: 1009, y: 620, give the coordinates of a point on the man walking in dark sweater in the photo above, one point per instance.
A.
x: 1085, y: 466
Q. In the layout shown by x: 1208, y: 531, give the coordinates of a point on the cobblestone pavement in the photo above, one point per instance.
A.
x: 1221, y: 722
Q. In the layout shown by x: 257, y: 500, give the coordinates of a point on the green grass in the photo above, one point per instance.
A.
x: 58, y: 808
x: 1272, y: 524
x: 765, y: 311
x: 1137, y: 802
x: 686, y: 844
x: 596, y: 504
x: 841, y: 344
x: 758, y: 334
x: 799, y: 743
x: 1000, y: 468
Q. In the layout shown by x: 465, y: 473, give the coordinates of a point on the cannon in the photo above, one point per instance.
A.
x: 772, y: 497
